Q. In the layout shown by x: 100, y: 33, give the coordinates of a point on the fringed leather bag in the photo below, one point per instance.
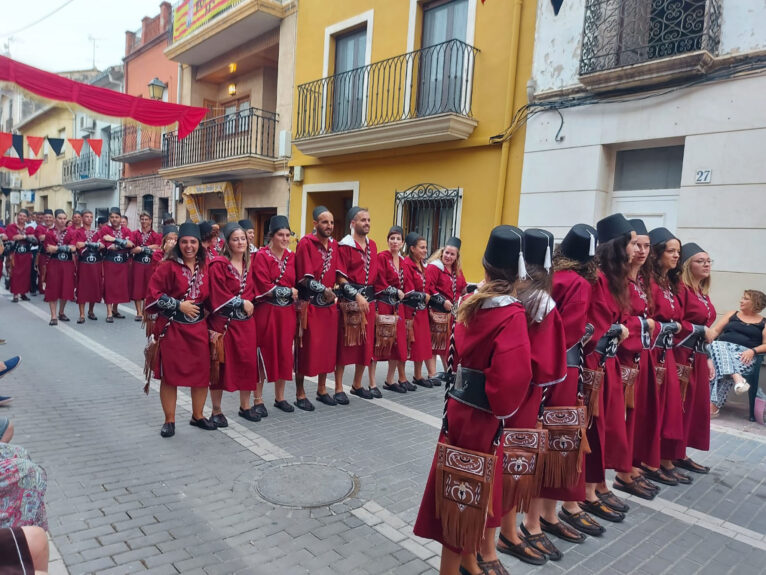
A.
x: 410, y: 326
x: 629, y: 377
x: 439, y: 328
x: 659, y: 374
x: 463, y: 494
x: 217, y: 356
x: 592, y: 381
x: 385, y: 334
x: 567, y: 443
x: 684, y: 374
x: 148, y: 323
x: 354, y: 324
x: 523, y: 454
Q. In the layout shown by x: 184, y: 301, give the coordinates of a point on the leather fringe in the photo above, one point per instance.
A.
x: 151, y: 351
x: 385, y: 334
x: 439, y: 329
x: 148, y: 323
x: 684, y: 374
x: 593, y: 380
x: 410, y: 325
x: 630, y: 396
x: 520, y: 490
x: 523, y: 461
x: 217, y: 357
x: 354, y: 324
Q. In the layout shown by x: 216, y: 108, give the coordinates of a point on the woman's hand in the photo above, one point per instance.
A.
x: 108, y: 238
x: 364, y: 306
x: 400, y: 293
x: 709, y: 335
x: 448, y: 305
x: 189, y: 308
x: 295, y: 294
x: 329, y: 295
x: 249, y: 307
x: 650, y: 322
x: 747, y: 356
x: 624, y: 334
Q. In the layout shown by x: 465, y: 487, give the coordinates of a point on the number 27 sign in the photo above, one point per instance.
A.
x: 702, y: 176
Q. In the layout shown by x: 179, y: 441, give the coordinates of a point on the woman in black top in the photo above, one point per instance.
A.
x: 740, y: 335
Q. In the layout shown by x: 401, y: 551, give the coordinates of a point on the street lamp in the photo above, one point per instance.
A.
x: 157, y: 89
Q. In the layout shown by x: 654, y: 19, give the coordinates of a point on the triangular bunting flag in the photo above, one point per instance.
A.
x: 556, y: 6
x: 56, y: 145
x: 35, y: 143
x: 76, y: 144
x: 18, y: 145
x: 6, y: 140
x: 32, y: 166
x: 95, y: 145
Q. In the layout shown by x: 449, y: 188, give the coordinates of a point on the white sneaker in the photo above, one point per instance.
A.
x: 741, y: 387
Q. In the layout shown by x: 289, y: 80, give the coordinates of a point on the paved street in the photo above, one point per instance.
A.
x: 123, y: 500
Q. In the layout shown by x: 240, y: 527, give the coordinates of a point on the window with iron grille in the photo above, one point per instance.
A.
x: 431, y: 210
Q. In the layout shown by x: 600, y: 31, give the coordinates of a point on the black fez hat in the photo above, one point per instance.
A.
x: 77, y: 212
x: 638, y: 226
x: 505, y: 249
x: 166, y: 216
x: 538, y: 247
x: 277, y: 223
x: 24, y: 211
x: 59, y: 211
x: 169, y: 229
x: 246, y: 224
x: 46, y: 211
x: 101, y: 220
x: 454, y: 242
x: 229, y: 229
x: 580, y: 243
x: 205, y: 228
x: 660, y: 235
x: 412, y: 238
x: 115, y: 211
x: 351, y: 214
x: 318, y: 211
x: 612, y: 227
x: 689, y: 250
x: 395, y: 230
x: 190, y: 230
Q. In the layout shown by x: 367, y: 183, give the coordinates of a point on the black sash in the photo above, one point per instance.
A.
x: 62, y: 256
x: 116, y: 257
x: 235, y: 313
x: 179, y: 317
x: 90, y: 257
x: 469, y: 389
x: 142, y: 258
x: 21, y: 247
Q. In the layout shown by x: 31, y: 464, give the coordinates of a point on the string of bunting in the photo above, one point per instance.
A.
x: 16, y: 141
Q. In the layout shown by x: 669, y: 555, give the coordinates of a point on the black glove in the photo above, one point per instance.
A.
x: 168, y: 305
x: 347, y: 292
x: 437, y: 302
x: 389, y: 296
x: 415, y: 300
x: 120, y: 243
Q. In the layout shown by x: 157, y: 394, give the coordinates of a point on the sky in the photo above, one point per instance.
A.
x: 61, y: 41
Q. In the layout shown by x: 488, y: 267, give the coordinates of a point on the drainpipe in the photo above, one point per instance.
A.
x: 510, y: 89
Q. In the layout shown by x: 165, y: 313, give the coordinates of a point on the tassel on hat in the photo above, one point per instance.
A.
x: 522, y: 267
x: 547, y: 264
x: 592, y: 248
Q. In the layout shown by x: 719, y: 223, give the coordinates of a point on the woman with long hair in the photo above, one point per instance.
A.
x: 415, y: 309
x: 445, y: 285
x: 699, y: 315
x: 169, y: 240
x: 177, y: 292
x: 389, y: 291
x: 495, y: 371
x: 232, y: 327
x: 275, y: 320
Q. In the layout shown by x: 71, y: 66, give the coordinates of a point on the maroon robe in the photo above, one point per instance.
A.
x: 42, y: 258
x: 351, y: 264
x: 183, y: 359
x: 116, y: 267
x: 90, y: 270
x: 60, y: 275
x: 239, y: 372
x: 572, y: 294
x: 439, y: 280
x: 275, y: 325
x: 388, y: 276
x: 21, y: 271
x: 495, y: 343
x: 699, y: 311
x: 157, y: 258
x: 142, y: 263
x: 415, y: 280
x: 320, y: 338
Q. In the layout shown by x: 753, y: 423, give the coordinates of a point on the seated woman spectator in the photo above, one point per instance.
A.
x: 22, y: 488
x: 23, y: 550
x: 739, y: 337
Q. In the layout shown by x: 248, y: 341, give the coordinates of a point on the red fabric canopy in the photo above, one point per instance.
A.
x: 101, y: 100
x: 31, y: 166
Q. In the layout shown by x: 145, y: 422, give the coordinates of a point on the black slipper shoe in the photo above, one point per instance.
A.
x: 118, y: 315
x: 168, y: 429
x: 139, y: 318
x: 284, y: 405
x: 435, y: 381
x: 423, y: 383
x: 613, y: 502
x: 63, y: 317
x: 679, y: 476
x: 395, y: 387
x: 304, y: 404
x: 249, y: 414
x: 203, y: 423
x: 562, y: 531
x: 326, y: 398
x: 634, y: 488
x: 341, y: 398
x: 375, y: 392
x: 654, y: 488
x: 24, y: 297
x: 599, y: 509
x: 541, y: 542
x: 92, y: 316
x: 81, y: 320
x: 523, y: 551
x: 219, y: 420
x: 582, y: 522
x: 359, y: 392
x: 261, y: 410
x: 408, y: 386
x: 659, y: 476
x: 54, y: 321
x: 692, y: 466
x: 110, y: 319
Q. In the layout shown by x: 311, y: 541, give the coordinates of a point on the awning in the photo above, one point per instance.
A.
x: 230, y: 199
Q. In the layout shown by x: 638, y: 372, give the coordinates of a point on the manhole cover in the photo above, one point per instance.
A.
x: 305, y: 485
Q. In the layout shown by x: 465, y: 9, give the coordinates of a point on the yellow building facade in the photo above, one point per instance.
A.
x: 395, y: 105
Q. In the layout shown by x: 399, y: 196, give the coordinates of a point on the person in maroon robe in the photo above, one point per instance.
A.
x: 178, y: 291
x: 275, y: 318
x: 116, y: 239
x: 575, y: 273
x: 316, y: 265
x: 90, y: 270
x: 145, y: 241
x: 699, y: 315
x: 415, y: 304
x: 209, y: 239
x: 357, y: 271
x: 232, y: 289
x: 59, y: 244
x: 389, y: 291
x: 22, y: 236
x: 495, y: 367
x: 42, y: 257
x: 168, y: 242
x: 445, y: 285
x: 247, y: 225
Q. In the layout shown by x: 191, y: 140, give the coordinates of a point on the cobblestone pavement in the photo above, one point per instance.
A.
x: 122, y: 500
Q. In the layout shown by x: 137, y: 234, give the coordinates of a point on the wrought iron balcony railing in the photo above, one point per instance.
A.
x: 89, y: 166
x: 248, y: 132
x: 129, y: 139
x: 618, y: 33
x: 427, y: 82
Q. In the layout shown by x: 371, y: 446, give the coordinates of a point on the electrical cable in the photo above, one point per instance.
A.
x: 40, y: 19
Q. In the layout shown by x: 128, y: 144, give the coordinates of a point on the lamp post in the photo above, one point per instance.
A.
x: 157, y: 89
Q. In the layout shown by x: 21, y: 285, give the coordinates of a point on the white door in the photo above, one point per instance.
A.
x: 658, y: 208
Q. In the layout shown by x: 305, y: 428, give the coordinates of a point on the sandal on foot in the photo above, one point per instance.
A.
x: 284, y: 405
x: 168, y: 429
x: 522, y: 551
x: 341, y: 398
x: 562, y: 531
x: 219, y: 420
x: 53, y: 321
x: 692, y: 466
x: 110, y: 319
x: 659, y: 475
x: 600, y: 509
x: 326, y: 398
x: 203, y: 423
x: 423, y: 383
x: 375, y: 392
x: 261, y: 410
x: 653, y: 487
x: 118, y: 315
x: 359, y: 392
x: 81, y: 320
x: 139, y: 318
x: 679, y: 476
x: 493, y: 567
x: 249, y: 414
x: 395, y: 387
x: 15, y: 299
x: 633, y: 488
x: 541, y: 542
x: 304, y: 404
x: 613, y: 502
x: 24, y: 297
x: 408, y: 386
x: 581, y: 521
x: 92, y: 316
x: 63, y: 317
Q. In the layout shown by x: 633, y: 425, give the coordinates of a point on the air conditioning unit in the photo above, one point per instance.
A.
x: 284, y: 144
x: 87, y: 124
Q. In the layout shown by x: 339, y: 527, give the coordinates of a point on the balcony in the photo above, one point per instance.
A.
x: 415, y: 98
x: 239, y: 144
x: 89, y: 172
x: 131, y: 144
x: 231, y: 24
x: 632, y: 43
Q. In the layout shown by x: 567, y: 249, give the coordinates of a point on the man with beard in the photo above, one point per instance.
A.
x: 60, y: 246
x: 90, y: 280
x: 116, y: 238
x: 22, y: 237
x: 357, y: 268
x: 42, y: 257
x: 316, y: 262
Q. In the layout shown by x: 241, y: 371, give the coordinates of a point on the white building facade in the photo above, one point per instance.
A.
x: 653, y: 109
